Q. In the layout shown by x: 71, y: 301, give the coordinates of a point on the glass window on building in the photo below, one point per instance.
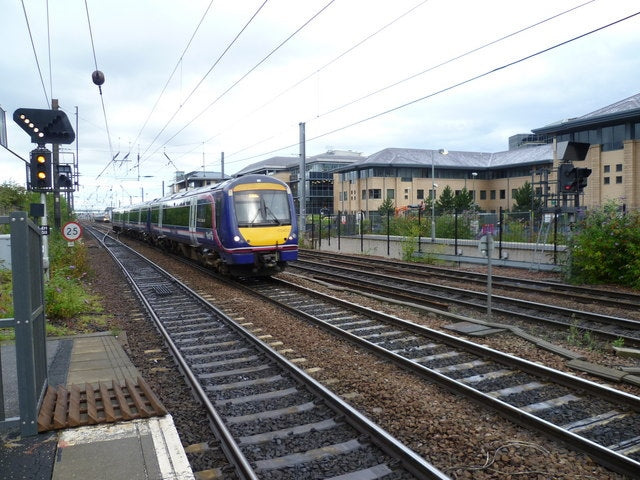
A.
x: 619, y: 179
x: 618, y: 167
x: 607, y: 180
x: 483, y: 194
x: 492, y: 195
x: 503, y: 194
x: 375, y: 193
x: 406, y: 194
x: 420, y: 194
x: 391, y: 193
x: 612, y: 138
x: 364, y: 194
x: 607, y: 168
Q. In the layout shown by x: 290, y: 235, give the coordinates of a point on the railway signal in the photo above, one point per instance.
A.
x: 581, y: 177
x: 45, y: 126
x: 567, y: 181
x: 40, y: 170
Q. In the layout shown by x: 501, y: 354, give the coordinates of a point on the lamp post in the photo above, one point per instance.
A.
x: 434, y: 185
x: 474, y: 175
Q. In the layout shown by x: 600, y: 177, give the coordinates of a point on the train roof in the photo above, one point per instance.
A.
x: 224, y: 185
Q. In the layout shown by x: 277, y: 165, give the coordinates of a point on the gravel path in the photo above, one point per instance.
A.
x: 462, y: 438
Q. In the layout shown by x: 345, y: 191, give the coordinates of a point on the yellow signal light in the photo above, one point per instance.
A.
x: 41, y: 159
x: 41, y: 175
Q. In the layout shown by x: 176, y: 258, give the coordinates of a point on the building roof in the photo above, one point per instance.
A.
x: 273, y: 163
x: 624, y: 110
x: 286, y: 163
x: 413, y: 157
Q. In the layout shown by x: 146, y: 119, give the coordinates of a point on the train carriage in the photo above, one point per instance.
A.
x: 244, y: 226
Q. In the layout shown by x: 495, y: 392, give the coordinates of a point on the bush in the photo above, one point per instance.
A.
x: 605, y: 248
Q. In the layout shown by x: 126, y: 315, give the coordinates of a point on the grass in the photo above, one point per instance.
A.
x: 70, y: 308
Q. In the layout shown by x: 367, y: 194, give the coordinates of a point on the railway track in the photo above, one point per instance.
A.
x: 583, y: 295
x: 273, y: 420
x: 598, y: 420
x: 417, y: 290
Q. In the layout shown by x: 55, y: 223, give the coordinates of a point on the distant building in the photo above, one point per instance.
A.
x: 349, y: 182
x: 614, y: 155
x: 197, y: 178
x: 318, y: 175
x: 405, y: 174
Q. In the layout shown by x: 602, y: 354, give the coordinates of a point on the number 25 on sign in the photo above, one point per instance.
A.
x: 71, y: 231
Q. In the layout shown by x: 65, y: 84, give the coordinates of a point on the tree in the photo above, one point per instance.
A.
x: 386, y: 207
x: 464, y: 200
x: 12, y: 197
x: 447, y: 200
x: 525, y: 200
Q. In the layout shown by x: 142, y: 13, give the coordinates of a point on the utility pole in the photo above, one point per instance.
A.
x: 56, y: 187
x: 302, y: 194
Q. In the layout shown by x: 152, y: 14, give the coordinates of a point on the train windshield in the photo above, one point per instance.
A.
x: 262, y: 208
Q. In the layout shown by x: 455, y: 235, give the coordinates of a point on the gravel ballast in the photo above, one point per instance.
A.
x: 459, y: 437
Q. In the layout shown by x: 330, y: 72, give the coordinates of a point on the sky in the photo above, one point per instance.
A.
x: 188, y: 80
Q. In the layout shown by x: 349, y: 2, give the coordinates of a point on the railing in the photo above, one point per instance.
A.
x: 28, y: 321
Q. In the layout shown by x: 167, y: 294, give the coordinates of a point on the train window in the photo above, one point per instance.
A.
x: 155, y: 215
x: 262, y: 207
x: 176, y: 216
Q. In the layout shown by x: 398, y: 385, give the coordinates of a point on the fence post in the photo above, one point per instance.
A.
x: 455, y: 231
x: 388, y: 232
x: 500, y: 225
x: 419, y: 231
x: 361, y: 231
x: 28, y: 305
x: 339, y: 221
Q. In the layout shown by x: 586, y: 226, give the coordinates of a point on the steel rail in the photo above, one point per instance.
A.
x: 347, y: 277
x: 581, y: 293
x: 604, y: 456
x: 412, y: 462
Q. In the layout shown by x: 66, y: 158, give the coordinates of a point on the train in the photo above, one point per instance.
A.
x: 244, y: 226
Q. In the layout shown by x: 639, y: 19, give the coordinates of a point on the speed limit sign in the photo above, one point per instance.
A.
x: 71, y: 231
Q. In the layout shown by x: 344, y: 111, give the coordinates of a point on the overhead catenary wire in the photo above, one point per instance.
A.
x: 178, y: 63
x: 104, y: 110
x: 251, y: 70
x: 334, y: 60
x: 205, y: 76
x: 443, y: 90
x: 35, y: 54
x: 432, y: 68
x: 359, y: 43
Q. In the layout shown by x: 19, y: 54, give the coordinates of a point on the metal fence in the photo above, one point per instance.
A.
x: 28, y: 321
x: 525, y: 227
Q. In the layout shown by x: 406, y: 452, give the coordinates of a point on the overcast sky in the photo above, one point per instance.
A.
x: 363, y: 75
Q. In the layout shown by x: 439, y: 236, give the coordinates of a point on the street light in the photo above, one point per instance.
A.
x: 474, y: 175
x: 434, y: 185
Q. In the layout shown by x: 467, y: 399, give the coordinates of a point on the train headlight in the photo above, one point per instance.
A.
x: 236, y: 238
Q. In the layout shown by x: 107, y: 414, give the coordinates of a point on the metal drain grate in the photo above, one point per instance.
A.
x: 109, y: 402
x: 162, y: 290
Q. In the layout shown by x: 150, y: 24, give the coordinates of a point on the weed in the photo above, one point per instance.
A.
x: 618, y: 342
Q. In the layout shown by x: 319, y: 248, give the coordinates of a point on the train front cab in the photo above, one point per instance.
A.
x: 263, y: 230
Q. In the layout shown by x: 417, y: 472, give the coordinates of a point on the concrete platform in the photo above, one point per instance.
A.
x: 138, y: 449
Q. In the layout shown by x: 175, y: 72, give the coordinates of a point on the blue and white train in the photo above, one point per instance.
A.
x: 245, y: 226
